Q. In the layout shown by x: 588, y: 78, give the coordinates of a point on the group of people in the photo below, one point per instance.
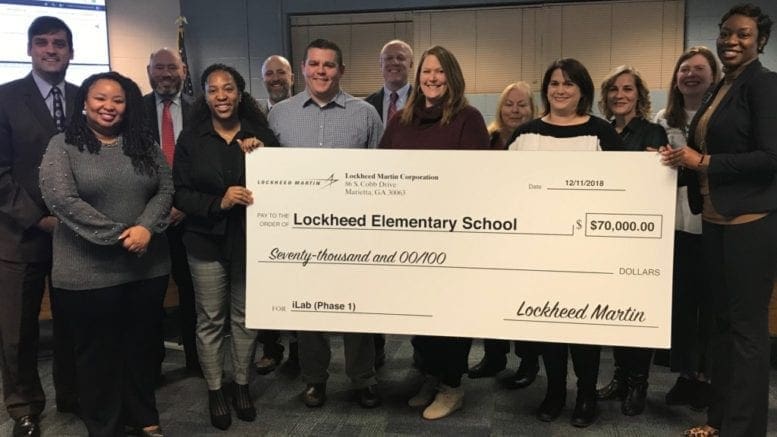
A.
x: 109, y: 192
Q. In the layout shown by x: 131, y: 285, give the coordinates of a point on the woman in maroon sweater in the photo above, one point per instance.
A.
x: 437, y: 116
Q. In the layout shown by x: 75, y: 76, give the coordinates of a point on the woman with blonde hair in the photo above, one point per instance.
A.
x: 516, y: 107
x: 625, y: 100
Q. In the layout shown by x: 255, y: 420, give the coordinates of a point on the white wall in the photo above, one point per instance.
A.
x: 135, y: 29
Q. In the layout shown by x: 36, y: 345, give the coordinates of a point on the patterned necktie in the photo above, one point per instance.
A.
x: 59, y: 110
x: 168, y: 135
x: 392, y: 109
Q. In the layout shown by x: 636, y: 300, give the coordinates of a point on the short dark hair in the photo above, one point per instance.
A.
x: 577, y: 74
x: 762, y: 21
x: 45, y: 25
x: 325, y: 44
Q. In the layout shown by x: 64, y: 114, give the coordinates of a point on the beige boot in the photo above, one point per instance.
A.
x: 448, y: 400
x: 426, y: 394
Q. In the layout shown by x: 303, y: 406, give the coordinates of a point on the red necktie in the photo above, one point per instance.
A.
x: 392, y: 109
x: 168, y: 133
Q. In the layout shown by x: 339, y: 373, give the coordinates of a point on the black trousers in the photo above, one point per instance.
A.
x: 443, y: 357
x: 691, y: 306
x: 585, y: 360
x: 496, y: 349
x: 741, y: 262
x: 20, y: 297
x: 179, y: 269
x: 115, y: 330
x: 632, y: 361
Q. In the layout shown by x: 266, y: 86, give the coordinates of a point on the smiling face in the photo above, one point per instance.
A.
x: 622, y: 96
x: 694, y: 77
x: 166, y: 73
x: 395, y: 63
x: 278, y: 79
x: 516, y: 109
x: 322, y: 74
x: 222, y: 95
x: 737, y: 41
x: 50, y: 55
x: 104, y: 107
x: 563, y: 95
x: 434, y: 85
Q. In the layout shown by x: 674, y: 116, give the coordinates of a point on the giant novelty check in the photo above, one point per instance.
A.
x: 549, y: 246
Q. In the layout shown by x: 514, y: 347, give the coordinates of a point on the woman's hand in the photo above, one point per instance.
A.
x: 236, y: 195
x: 135, y: 239
x: 683, y: 157
x: 249, y: 144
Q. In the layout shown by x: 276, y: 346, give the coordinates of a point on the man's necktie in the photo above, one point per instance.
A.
x: 59, y: 110
x: 168, y: 134
x: 392, y: 109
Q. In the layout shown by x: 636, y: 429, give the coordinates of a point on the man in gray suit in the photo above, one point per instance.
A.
x: 167, y: 108
x: 278, y: 79
x: 32, y: 110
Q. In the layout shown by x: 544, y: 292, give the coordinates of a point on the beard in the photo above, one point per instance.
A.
x: 169, y: 89
x: 279, y: 94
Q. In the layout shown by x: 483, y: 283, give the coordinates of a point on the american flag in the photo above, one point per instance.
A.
x: 187, y: 88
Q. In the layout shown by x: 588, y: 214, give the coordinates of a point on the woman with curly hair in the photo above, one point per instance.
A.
x: 209, y: 174
x: 109, y: 185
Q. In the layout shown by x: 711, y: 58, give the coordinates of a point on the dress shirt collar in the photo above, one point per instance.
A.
x: 176, y: 99
x: 401, y: 93
x: 45, y: 87
x: 339, y: 100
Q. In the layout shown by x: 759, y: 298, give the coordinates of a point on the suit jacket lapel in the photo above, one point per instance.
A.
x: 37, y: 105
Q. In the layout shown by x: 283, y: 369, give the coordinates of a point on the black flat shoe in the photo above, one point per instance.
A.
x: 616, y: 389
x: 487, y: 367
x: 266, y: 365
x: 220, y: 416
x: 244, y: 405
x: 522, y: 378
x: 368, y: 397
x: 153, y: 432
x: 550, y: 409
x: 26, y: 426
x: 681, y: 392
x: 314, y: 395
x: 585, y: 413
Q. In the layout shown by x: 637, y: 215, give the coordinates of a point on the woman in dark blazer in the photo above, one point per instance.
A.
x: 209, y: 177
x: 733, y: 149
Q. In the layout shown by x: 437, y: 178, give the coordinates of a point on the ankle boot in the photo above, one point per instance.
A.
x: 244, y: 405
x: 616, y: 389
x: 634, y: 403
x: 220, y: 416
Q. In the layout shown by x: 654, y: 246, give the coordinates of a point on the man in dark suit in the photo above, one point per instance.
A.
x: 278, y: 79
x: 32, y: 110
x: 396, y: 60
x: 167, y: 109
